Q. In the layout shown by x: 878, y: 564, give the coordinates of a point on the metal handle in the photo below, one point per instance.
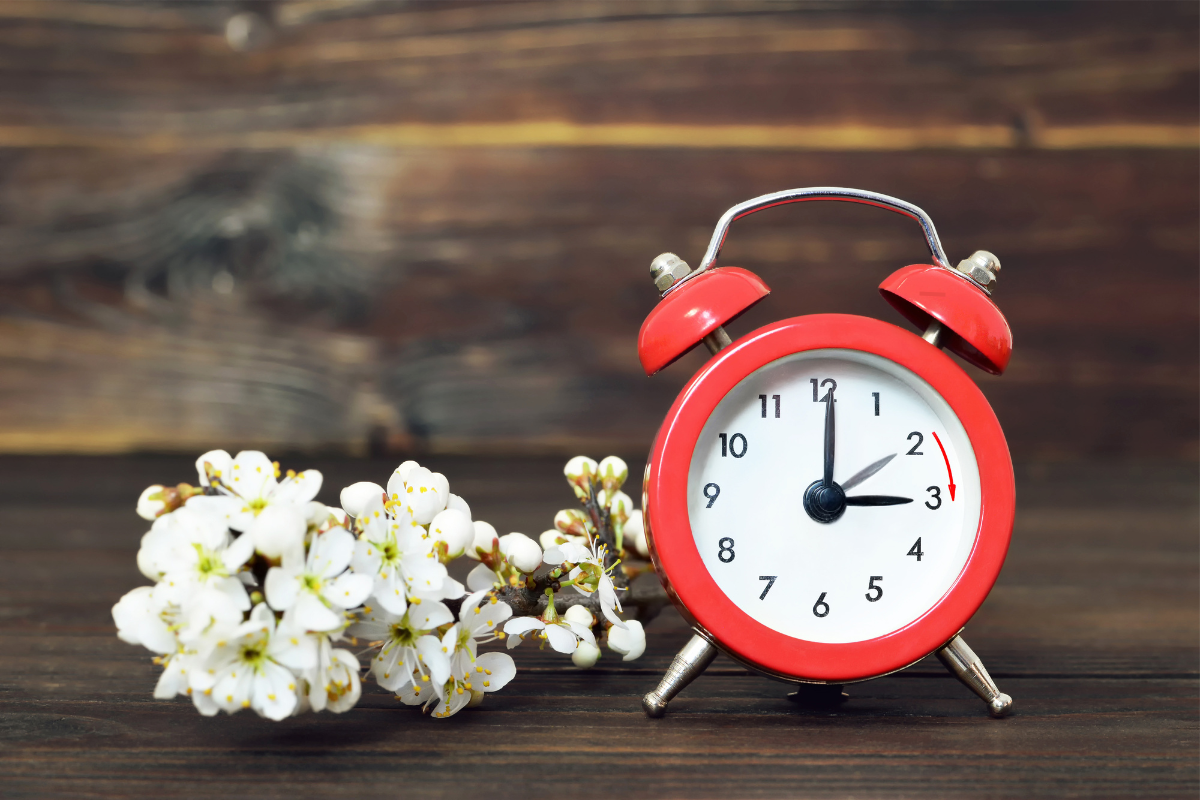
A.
x: 822, y: 193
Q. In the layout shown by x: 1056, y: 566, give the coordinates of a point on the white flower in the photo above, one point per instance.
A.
x: 562, y: 634
x: 586, y: 655
x: 522, y: 552
x: 398, y: 554
x: 408, y: 650
x: 422, y: 492
x: 196, y: 562
x: 635, y: 533
x: 454, y: 530
x: 354, y: 498
x: 333, y: 683
x: 152, y: 503
x: 485, y: 540
x: 247, y: 486
x: 479, y: 622
x: 315, y: 592
x: 471, y: 675
x: 254, y: 667
x: 589, y: 575
x: 629, y: 641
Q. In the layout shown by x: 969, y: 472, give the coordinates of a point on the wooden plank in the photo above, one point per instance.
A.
x: 1091, y: 628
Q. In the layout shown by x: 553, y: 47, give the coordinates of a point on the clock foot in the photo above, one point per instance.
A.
x: 695, y: 656
x: 966, y: 666
x: 819, y: 695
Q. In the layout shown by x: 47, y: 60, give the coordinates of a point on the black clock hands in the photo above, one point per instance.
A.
x: 877, y: 500
x: 826, y: 501
x: 829, y: 439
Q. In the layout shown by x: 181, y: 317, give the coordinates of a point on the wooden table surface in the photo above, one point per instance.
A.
x: 1092, y: 629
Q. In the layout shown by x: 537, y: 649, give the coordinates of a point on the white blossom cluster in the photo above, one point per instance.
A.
x: 258, y: 587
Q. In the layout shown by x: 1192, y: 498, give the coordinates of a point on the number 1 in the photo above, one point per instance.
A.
x: 876, y: 396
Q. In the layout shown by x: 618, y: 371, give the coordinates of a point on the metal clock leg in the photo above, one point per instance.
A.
x: 966, y: 666
x: 695, y: 656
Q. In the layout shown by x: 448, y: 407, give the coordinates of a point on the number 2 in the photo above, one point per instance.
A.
x: 914, y: 451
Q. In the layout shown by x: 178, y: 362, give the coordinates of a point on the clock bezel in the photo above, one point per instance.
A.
x: 699, y: 598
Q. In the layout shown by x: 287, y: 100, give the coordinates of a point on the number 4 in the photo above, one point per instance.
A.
x: 916, y: 550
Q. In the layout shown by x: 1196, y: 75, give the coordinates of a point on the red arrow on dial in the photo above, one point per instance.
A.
x: 948, y: 470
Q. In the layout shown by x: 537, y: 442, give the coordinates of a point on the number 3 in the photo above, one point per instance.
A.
x: 936, y: 491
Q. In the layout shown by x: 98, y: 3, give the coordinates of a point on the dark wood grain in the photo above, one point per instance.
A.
x: 435, y: 219
x: 1091, y: 628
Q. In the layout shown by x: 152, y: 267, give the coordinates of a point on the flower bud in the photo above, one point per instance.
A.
x: 579, y: 614
x: 453, y: 528
x: 278, y: 529
x: 152, y: 503
x: 573, y: 521
x: 484, y: 541
x: 581, y: 472
x: 586, y: 655
x: 355, y: 497
x: 629, y: 641
x: 635, y: 533
x: 613, y: 472
x: 522, y: 552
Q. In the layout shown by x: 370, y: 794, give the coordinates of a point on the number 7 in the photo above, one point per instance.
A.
x: 770, y: 579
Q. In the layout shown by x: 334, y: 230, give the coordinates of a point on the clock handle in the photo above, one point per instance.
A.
x: 819, y: 193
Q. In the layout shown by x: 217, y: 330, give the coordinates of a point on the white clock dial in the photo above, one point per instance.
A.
x: 889, y: 552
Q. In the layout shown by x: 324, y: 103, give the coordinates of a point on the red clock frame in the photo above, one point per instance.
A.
x: 693, y: 589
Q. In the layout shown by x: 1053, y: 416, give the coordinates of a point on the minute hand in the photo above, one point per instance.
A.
x: 877, y: 500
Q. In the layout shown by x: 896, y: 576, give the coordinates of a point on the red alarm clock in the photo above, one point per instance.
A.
x: 831, y: 497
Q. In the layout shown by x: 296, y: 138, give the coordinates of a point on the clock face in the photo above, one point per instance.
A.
x: 849, y: 556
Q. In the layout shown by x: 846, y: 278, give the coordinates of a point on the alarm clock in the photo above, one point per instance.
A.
x: 831, y: 497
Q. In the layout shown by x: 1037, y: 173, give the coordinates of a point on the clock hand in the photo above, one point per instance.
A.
x: 828, y: 479
x: 877, y: 500
x: 866, y: 472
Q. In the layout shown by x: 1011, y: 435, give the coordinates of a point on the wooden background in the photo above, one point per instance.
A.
x: 387, y: 227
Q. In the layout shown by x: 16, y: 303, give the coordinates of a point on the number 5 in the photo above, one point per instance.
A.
x: 871, y: 587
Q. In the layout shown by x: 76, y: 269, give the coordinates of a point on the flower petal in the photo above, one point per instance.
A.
x: 310, y: 614
x: 298, y: 489
x: 214, y: 461
x: 519, y: 625
x: 561, y: 638
x: 348, y: 590
x: 481, y: 578
x: 502, y: 668
x: 283, y: 587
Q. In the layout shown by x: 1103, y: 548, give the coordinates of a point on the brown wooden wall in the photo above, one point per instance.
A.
x: 346, y: 225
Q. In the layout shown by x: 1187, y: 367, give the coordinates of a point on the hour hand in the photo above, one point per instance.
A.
x: 866, y: 472
x: 877, y: 500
